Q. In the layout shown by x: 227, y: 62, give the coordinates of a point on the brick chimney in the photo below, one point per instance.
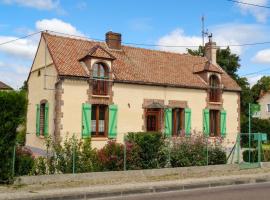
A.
x: 113, y: 40
x: 211, y: 50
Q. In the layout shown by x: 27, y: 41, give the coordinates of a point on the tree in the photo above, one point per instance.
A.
x: 229, y: 61
x: 12, y: 114
x: 263, y: 85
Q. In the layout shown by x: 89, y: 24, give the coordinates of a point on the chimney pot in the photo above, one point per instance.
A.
x: 113, y: 40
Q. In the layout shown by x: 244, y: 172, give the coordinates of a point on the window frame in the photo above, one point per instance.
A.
x: 181, y: 122
x: 42, y: 107
x: 97, y: 107
x: 153, y: 112
x: 214, y: 123
x: 100, y: 82
x: 214, y: 89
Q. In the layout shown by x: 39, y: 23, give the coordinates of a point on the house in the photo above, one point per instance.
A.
x: 104, y: 90
x: 264, y: 102
x: 4, y: 87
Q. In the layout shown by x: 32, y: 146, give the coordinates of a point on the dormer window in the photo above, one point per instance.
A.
x: 100, y: 79
x: 214, y: 92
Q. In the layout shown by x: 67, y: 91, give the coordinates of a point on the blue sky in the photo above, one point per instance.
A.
x: 171, y: 22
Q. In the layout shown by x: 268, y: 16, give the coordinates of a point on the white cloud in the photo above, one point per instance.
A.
x: 178, y: 38
x: 262, y: 56
x: 223, y: 34
x: 253, y: 80
x: 38, y: 4
x: 17, y: 56
x: 24, y: 48
x: 58, y: 26
x: 261, y: 14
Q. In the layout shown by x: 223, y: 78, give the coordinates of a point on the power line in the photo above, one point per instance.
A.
x: 136, y: 44
x: 23, y: 37
x: 256, y: 72
x: 250, y: 4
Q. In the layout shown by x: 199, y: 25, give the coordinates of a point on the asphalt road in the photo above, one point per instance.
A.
x: 238, y: 192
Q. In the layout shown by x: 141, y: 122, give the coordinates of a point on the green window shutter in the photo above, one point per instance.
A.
x: 37, y: 119
x: 223, y: 123
x: 46, y: 122
x: 113, y: 110
x: 86, y: 120
x: 187, y: 121
x: 168, y: 122
x: 206, y: 125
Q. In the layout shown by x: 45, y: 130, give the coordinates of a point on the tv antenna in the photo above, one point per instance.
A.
x: 204, y: 32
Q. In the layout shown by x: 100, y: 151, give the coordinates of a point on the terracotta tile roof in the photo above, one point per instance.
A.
x: 132, y: 64
x: 207, y: 66
x: 4, y: 86
x: 99, y: 52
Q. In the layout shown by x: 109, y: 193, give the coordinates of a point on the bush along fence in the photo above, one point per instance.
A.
x: 141, y: 150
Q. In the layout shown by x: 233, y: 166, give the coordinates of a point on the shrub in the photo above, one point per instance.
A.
x: 111, y: 156
x: 192, y: 151
x: 216, y: 156
x: 60, y: 158
x: 188, y: 152
x: 151, y: 146
x: 12, y: 113
x: 133, y: 160
x: 253, y: 155
x: 24, y: 161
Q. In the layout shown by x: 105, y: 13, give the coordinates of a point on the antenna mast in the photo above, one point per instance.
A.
x: 203, y: 30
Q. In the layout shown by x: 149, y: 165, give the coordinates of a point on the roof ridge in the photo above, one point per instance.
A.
x: 103, y: 42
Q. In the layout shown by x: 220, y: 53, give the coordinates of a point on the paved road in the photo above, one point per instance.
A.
x: 240, y: 192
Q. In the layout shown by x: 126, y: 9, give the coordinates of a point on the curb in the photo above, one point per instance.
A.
x: 144, y: 188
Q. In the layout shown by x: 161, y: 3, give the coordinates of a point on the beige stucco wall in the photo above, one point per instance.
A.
x: 230, y: 105
x: 131, y: 118
x: 37, y: 92
x: 263, y: 101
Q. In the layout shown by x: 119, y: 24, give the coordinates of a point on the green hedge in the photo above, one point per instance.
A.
x: 12, y: 114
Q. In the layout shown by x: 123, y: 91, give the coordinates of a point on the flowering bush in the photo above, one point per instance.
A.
x: 111, y: 156
x: 194, y: 151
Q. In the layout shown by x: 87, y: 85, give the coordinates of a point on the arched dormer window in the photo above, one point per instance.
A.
x: 214, y: 92
x: 100, y: 79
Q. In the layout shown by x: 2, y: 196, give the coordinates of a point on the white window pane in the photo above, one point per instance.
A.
x: 93, y: 126
x: 101, y: 126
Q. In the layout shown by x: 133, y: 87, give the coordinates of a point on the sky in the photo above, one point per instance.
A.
x: 170, y: 22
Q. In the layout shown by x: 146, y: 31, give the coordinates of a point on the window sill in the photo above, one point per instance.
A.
x: 216, y: 103
x: 99, y: 138
x: 101, y: 96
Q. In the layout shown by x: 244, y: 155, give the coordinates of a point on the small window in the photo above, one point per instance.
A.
x: 39, y: 72
x: 268, y: 107
x: 178, y: 121
x: 99, y: 120
x: 214, y: 123
x: 214, y: 93
x: 42, y: 119
x: 101, y: 77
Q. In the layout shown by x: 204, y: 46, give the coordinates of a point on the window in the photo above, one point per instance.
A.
x: 100, y: 76
x: 214, y: 123
x: 99, y: 120
x: 42, y: 119
x: 268, y: 107
x: 153, y: 119
x: 214, y: 94
x: 178, y: 121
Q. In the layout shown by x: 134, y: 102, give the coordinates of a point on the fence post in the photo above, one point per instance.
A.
x: 207, y: 151
x: 125, y: 153
x: 13, y: 160
x: 73, y: 156
x: 238, y: 148
x: 259, y: 147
